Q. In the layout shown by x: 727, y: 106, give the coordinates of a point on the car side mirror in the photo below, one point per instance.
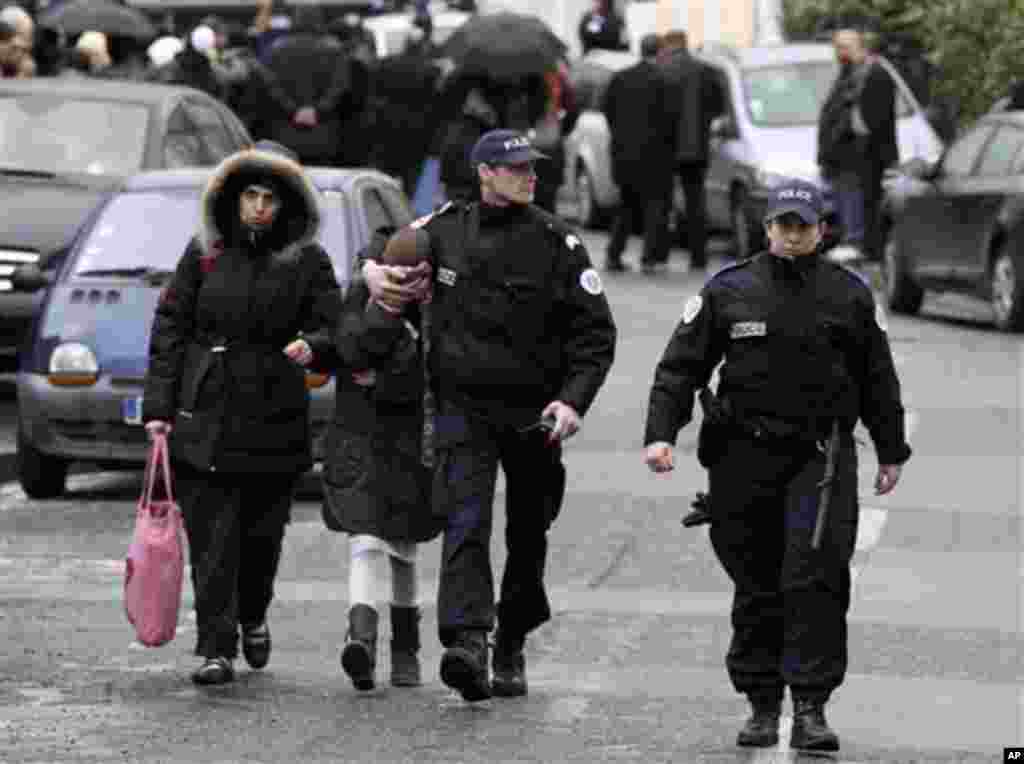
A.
x: 30, y: 278
x: 723, y: 127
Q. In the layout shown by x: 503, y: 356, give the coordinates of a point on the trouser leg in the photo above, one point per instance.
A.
x: 622, y: 226
x: 871, y: 182
x: 850, y: 204
x: 816, y: 583
x: 266, y: 510
x: 655, y: 216
x: 210, y: 507
x: 747, y: 536
x: 692, y: 176
x: 535, y: 488
x: 468, y: 465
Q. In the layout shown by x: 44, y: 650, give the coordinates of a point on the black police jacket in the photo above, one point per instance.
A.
x: 520, y: 315
x: 803, y: 344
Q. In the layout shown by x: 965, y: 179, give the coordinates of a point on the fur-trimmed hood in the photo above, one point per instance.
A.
x: 298, y: 222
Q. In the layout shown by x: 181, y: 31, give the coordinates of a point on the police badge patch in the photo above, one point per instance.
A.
x: 591, y: 282
x: 692, y: 308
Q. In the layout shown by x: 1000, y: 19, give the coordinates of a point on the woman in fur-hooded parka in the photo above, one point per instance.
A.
x: 236, y: 401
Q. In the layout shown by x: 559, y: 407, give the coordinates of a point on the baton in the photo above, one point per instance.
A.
x: 825, y: 497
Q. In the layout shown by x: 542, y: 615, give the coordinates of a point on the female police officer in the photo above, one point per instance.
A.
x: 805, y: 354
x: 521, y: 330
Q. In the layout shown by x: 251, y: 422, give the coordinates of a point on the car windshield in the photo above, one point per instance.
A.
x: 788, y: 95
x: 42, y: 132
x: 128, y: 242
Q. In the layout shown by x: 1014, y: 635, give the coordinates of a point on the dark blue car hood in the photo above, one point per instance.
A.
x: 112, y: 316
x: 44, y: 216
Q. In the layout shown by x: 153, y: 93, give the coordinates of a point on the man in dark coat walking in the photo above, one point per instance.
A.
x: 636, y: 108
x: 250, y: 303
x: 857, y: 141
x: 311, y: 78
x: 696, y: 96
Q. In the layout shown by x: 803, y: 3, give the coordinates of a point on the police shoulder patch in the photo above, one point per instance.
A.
x: 422, y: 221
x: 590, y: 280
x: 692, y: 308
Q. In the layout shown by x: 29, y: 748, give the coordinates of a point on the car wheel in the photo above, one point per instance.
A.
x: 588, y: 211
x: 41, y: 475
x: 747, y: 239
x: 1007, y: 291
x: 902, y: 293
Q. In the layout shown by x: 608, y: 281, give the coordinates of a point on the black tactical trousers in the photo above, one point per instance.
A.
x: 235, y: 526
x: 469, y: 453
x: 790, y: 603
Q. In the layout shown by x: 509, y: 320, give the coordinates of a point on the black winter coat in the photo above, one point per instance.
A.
x: 243, y: 409
x: 696, y: 96
x: 374, y: 481
x: 636, y: 106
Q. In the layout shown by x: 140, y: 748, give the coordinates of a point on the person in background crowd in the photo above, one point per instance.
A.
x: 311, y: 78
x: 403, y: 110
x: 806, y: 355
x: 637, y: 110
x: 477, y: 115
x: 698, y: 96
x: 857, y: 142
x: 249, y: 306
x: 12, y: 52
x: 92, y: 46
x: 192, y: 65
x: 21, y: 43
x: 603, y: 27
x: 163, y: 50
x: 267, y: 28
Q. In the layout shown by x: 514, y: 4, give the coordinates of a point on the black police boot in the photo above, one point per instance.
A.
x: 359, y: 656
x: 464, y: 665
x: 509, y: 664
x: 256, y: 644
x: 405, y: 644
x: 810, y: 730
x: 762, y: 728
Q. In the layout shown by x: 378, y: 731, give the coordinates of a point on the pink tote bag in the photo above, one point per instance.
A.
x: 156, y: 562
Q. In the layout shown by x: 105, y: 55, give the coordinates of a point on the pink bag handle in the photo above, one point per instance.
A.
x: 157, y: 458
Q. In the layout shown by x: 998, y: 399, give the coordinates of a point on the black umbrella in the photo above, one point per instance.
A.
x: 504, y: 46
x: 77, y: 16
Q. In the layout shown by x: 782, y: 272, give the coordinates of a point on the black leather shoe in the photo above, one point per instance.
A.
x: 214, y: 671
x: 359, y: 656
x: 256, y: 645
x: 464, y: 666
x: 810, y: 730
x: 509, y: 668
x: 761, y: 729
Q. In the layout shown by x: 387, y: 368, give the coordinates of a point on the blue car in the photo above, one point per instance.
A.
x: 81, y: 371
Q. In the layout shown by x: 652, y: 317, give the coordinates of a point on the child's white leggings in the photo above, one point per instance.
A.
x: 367, y: 579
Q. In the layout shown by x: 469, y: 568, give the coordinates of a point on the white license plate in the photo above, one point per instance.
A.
x: 131, y: 409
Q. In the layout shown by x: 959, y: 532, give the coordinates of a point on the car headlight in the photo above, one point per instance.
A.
x: 72, y: 363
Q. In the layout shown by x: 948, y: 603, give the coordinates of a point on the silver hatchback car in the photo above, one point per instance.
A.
x: 769, y: 132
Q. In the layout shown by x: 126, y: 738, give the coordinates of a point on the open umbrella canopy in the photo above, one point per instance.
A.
x: 77, y: 16
x: 504, y: 46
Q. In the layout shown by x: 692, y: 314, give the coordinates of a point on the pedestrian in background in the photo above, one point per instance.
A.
x: 377, y: 483
x: 249, y: 306
x: 857, y: 142
x: 521, y: 343
x: 806, y: 355
x: 637, y: 110
x: 603, y: 27
x: 696, y: 96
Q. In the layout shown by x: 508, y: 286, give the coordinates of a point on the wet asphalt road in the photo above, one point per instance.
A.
x: 630, y: 669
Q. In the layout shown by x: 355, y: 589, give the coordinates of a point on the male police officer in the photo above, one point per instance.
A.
x: 522, y: 338
x: 805, y: 348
